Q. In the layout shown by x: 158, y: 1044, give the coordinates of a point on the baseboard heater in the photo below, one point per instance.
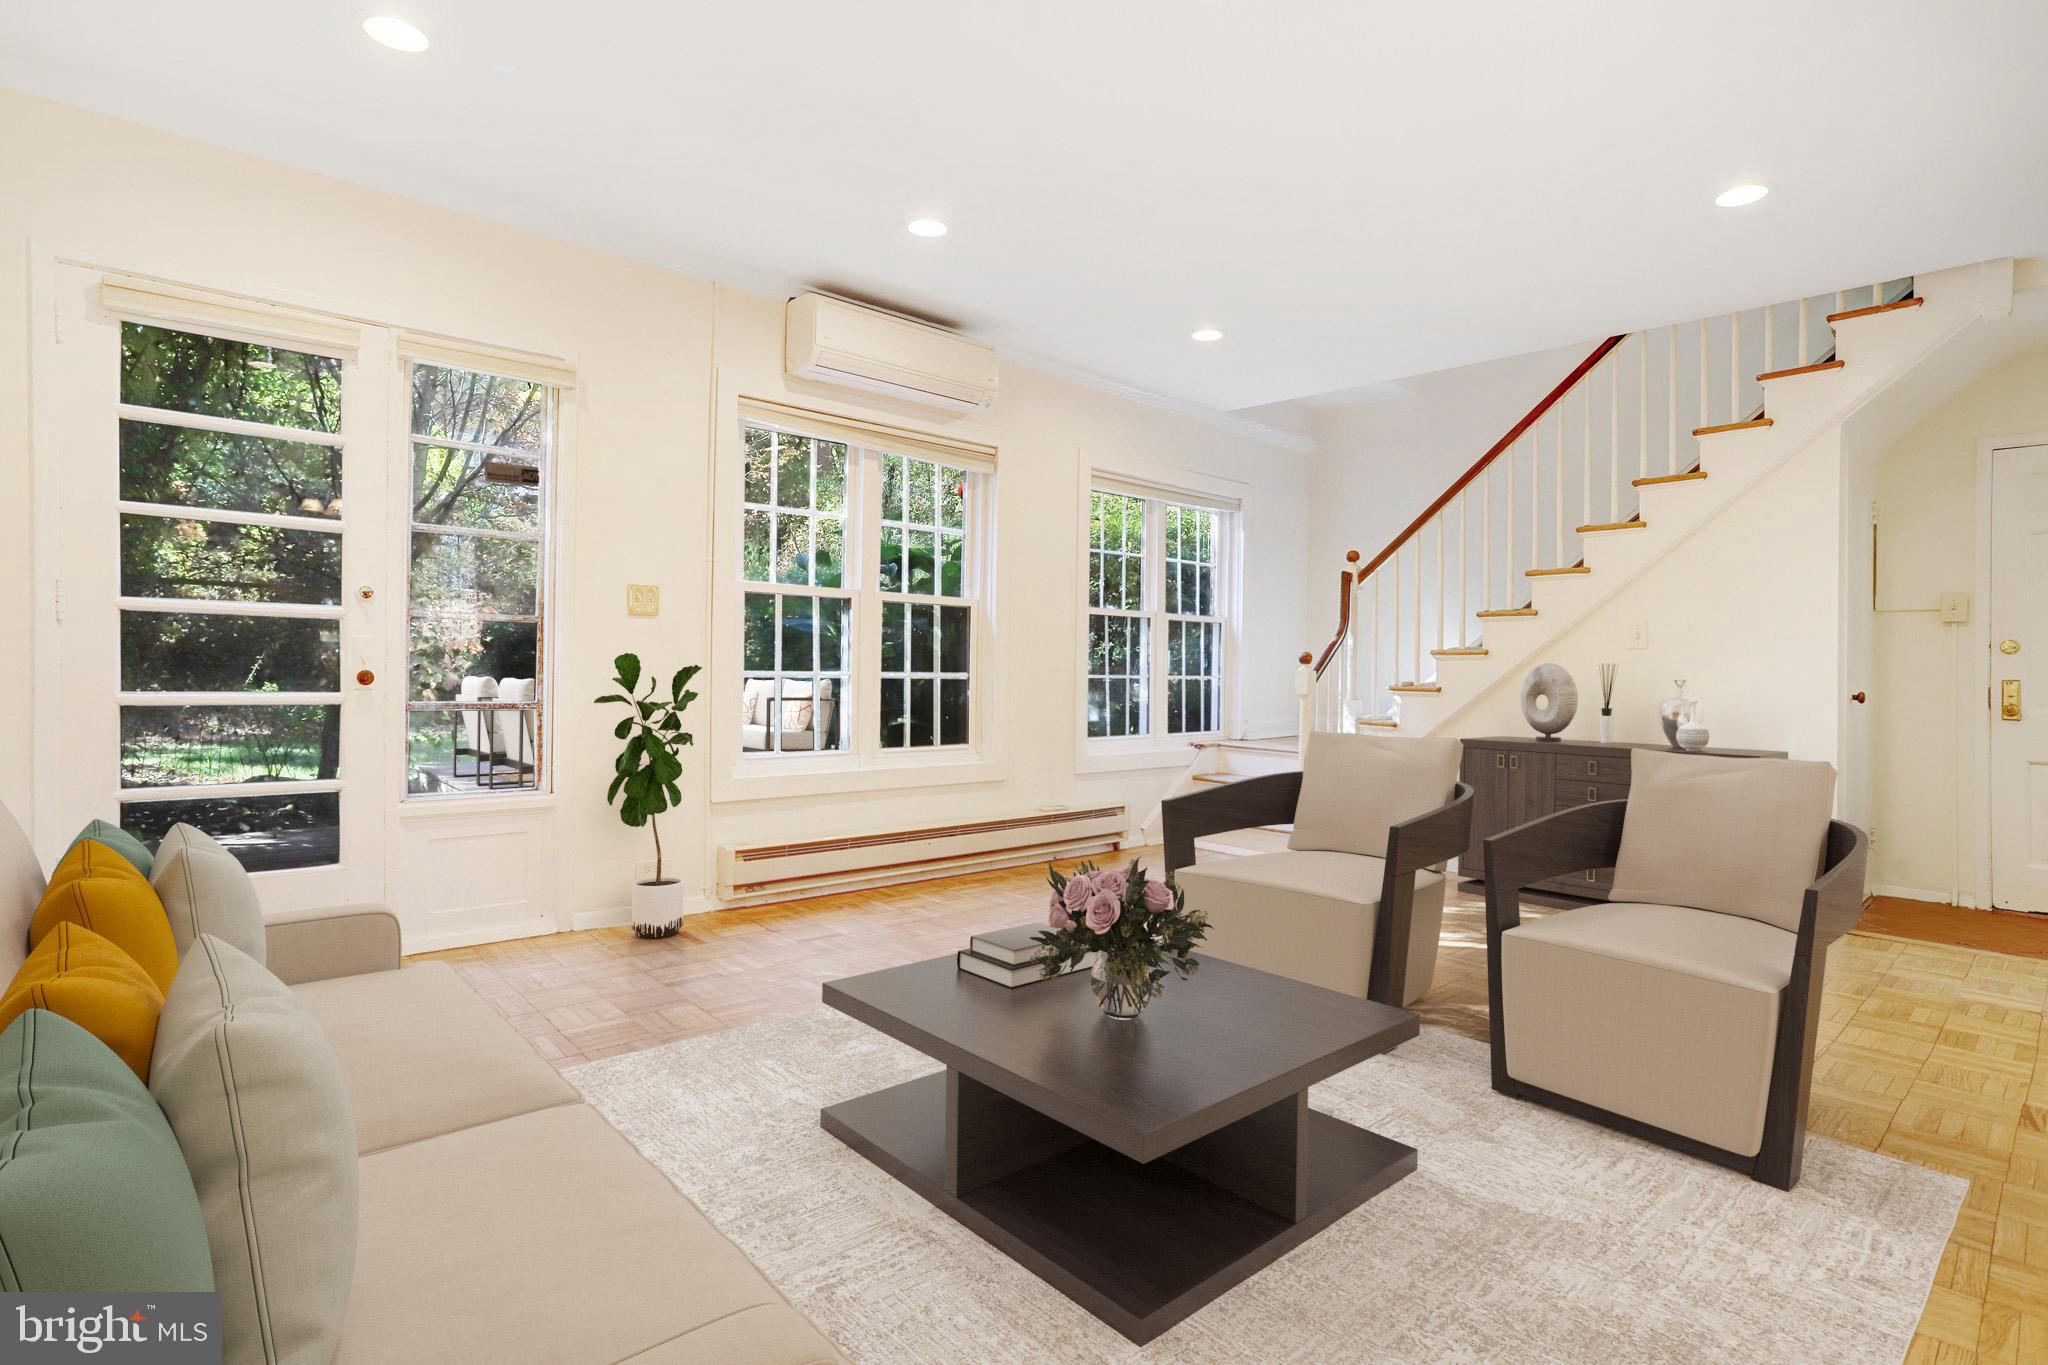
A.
x: 849, y: 862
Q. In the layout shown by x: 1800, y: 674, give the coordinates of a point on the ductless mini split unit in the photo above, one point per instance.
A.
x: 836, y: 342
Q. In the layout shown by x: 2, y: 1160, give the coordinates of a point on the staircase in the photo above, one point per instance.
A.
x: 1233, y: 760
x: 1651, y: 436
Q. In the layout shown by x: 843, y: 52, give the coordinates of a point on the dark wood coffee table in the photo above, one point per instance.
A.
x: 1140, y: 1168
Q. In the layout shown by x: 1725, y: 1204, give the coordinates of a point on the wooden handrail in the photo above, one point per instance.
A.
x: 1344, y: 586
x: 1515, y: 433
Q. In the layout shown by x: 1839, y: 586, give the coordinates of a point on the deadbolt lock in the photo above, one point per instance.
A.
x: 2009, y: 699
x: 2008, y: 646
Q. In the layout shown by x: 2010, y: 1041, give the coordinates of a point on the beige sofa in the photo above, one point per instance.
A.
x: 501, y: 1218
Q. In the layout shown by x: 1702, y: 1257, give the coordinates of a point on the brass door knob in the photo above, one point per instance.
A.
x: 2009, y: 698
x: 1858, y: 697
x: 2008, y: 646
x: 364, y: 677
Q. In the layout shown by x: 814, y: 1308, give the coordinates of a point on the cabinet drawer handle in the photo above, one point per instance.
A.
x: 1514, y: 760
x: 1592, y: 767
x: 1592, y: 793
x: 1500, y: 760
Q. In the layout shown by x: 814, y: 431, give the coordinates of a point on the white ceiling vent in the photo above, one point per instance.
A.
x: 836, y: 342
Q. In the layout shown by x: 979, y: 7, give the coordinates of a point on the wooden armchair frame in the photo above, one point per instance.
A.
x: 1412, y: 845
x: 1588, y: 837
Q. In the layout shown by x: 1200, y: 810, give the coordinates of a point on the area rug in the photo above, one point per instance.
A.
x: 1524, y: 1235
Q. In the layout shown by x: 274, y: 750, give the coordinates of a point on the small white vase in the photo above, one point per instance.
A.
x: 658, y: 908
x: 1606, y: 728
x: 1692, y: 734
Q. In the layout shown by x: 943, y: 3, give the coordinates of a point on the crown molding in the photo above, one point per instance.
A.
x: 1179, y: 407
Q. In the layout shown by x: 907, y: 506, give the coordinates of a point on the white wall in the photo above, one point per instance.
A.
x: 1927, y: 707
x: 645, y: 343
x: 1385, y: 453
x: 1745, y: 610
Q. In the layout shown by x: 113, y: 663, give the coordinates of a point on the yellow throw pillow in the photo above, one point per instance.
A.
x: 100, y: 891
x: 91, y: 858
x: 90, y: 981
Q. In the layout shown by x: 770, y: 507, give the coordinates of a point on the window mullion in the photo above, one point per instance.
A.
x: 864, y: 670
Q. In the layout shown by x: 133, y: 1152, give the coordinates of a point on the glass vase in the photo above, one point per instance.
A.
x: 1120, y: 992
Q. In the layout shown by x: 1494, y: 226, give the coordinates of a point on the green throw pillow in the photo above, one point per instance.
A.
x: 119, y: 840
x: 94, y: 1194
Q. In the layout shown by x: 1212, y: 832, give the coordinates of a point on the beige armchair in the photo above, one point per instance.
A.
x: 1356, y: 902
x: 1684, y: 1010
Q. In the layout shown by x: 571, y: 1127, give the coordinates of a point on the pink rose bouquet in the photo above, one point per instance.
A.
x: 1141, y: 927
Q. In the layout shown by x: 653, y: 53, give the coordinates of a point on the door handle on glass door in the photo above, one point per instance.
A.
x: 2009, y: 699
x: 364, y: 677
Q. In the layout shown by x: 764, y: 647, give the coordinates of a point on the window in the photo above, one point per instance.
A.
x: 477, y: 565
x: 1155, y: 627
x: 835, y: 536
x: 230, y: 589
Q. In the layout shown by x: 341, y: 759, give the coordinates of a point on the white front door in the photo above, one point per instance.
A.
x: 2018, y: 615
x: 212, y: 510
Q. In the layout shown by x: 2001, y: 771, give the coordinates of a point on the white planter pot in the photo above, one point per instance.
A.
x: 657, y: 908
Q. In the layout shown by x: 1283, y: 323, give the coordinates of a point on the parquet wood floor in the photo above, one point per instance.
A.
x: 1929, y: 1050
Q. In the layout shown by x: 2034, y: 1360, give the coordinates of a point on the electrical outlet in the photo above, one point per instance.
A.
x: 643, y: 599
x: 1639, y: 635
x: 1953, y: 606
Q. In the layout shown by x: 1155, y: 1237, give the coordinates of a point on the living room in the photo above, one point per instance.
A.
x: 682, y: 670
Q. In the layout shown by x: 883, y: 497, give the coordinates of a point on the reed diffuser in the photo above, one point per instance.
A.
x: 1607, y: 672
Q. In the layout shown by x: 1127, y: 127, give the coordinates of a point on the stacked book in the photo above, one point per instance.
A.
x: 1008, y: 957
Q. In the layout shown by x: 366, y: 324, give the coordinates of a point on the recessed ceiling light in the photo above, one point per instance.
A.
x: 927, y: 227
x: 395, y: 34
x: 1205, y: 334
x: 1735, y: 196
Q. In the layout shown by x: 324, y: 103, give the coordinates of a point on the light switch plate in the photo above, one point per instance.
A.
x: 1954, y: 606
x: 643, y: 599
x: 1639, y: 635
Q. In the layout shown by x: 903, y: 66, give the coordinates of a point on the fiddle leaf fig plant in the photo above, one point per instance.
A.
x: 645, y: 777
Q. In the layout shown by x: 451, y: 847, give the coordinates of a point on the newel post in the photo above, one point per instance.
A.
x: 1305, y: 693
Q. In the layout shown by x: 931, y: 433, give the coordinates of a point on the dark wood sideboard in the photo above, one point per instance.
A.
x: 1518, y: 779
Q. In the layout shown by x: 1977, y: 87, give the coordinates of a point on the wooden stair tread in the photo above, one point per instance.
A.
x: 1892, y: 307
x: 1380, y: 723
x: 1554, y: 573
x: 1414, y: 687
x: 1821, y: 368
x: 1732, y: 426
x: 1668, y: 478
x: 1462, y: 652
x: 1636, y: 525
x: 1509, y: 611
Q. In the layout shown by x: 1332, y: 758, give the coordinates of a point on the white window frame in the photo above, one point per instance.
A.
x: 863, y: 765
x: 1159, y: 487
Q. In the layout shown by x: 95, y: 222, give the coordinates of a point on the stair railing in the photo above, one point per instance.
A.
x: 1571, y: 467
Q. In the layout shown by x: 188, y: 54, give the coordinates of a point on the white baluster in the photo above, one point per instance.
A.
x: 1440, y: 580
x: 1536, y: 501
x: 1770, y: 341
x: 1705, y: 420
x: 1585, y: 467
x: 1735, y: 367
x: 1805, y: 355
x: 1394, y: 663
x: 1416, y: 676
x: 1841, y: 297
x: 1464, y: 560
x: 1642, y: 405
x: 1373, y: 677
x: 1613, y: 442
x: 1486, y: 535
x: 1559, y: 496
x: 1670, y: 401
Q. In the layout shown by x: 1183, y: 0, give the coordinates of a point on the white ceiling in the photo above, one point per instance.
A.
x: 1354, y: 192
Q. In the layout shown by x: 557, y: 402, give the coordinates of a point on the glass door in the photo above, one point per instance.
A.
x: 218, y: 621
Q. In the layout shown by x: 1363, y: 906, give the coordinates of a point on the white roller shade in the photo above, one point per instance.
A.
x: 1159, y: 492
x: 230, y: 315
x: 925, y: 445
x: 466, y: 355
